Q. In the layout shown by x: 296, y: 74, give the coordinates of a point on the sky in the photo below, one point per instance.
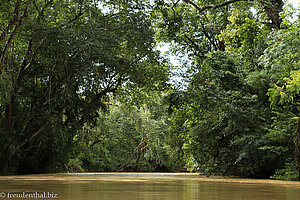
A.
x: 294, y: 2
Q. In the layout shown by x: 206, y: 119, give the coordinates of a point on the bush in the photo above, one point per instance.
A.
x: 288, y: 173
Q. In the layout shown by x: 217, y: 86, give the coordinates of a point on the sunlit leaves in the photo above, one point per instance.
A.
x: 285, y: 94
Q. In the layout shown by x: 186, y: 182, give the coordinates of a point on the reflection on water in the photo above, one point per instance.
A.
x: 147, y: 186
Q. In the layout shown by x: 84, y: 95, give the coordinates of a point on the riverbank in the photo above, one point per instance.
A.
x: 129, y: 176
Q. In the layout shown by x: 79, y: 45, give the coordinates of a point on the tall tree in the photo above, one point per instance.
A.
x: 61, y: 59
x: 220, y: 122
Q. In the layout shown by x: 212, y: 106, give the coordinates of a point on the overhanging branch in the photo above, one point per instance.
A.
x: 14, y: 33
x: 12, y: 21
x: 21, y: 144
x: 201, y: 9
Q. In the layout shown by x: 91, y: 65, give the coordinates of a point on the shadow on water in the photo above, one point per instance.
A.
x: 162, y: 186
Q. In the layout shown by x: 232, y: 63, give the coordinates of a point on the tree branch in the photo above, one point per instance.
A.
x: 201, y: 9
x: 12, y: 21
x: 12, y: 36
x: 21, y: 144
x: 192, y: 42
x: 71, y: 20
x: 24, y: 64
x: 40, y: 13
x: 111, y: 88
x: 207, y: 35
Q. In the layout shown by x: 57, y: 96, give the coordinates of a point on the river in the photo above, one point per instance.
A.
x: 142, y: 186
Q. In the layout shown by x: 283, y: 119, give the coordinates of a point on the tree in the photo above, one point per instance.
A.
x: 195, y: 26
x: 285, y: 99
x: 220, y: 122
x: 223, y: 125
x: 280, y: 63
x: 127, y: 138
x: 63, y: 59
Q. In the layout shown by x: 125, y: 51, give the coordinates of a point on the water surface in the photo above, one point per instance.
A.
x: 160, y: 186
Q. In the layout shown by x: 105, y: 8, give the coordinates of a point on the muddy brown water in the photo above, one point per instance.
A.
x: 160, y: 186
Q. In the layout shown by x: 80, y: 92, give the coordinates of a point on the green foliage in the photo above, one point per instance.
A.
x: 281, y: 61
x: 244, y: 35
x: 5, y: 88
x: 74, y: 165
x: 222, y: 123
x: 64, y: 59
x: 285, y: 103
x: 83, y: 88
x: 113, y: 144
x: 188, y: 32
x: 288, y: 173
x: 286, y: 94
x: 282, y: 54
x: 220, y: 132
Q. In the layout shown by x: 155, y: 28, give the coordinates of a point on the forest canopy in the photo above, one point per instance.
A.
x: 83, y: 87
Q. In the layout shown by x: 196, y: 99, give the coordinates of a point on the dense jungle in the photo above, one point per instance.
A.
x: 150, y: 85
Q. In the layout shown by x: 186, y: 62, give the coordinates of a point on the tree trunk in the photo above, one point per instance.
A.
x: 13, y: 149
x: 138, y: 159
x: 273, y: 9
x: 142, y: 145
x: 10, y: 115
x: 296, y: 142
